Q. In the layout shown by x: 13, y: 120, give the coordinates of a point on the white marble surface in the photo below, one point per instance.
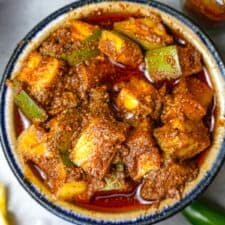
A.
x: 17, y: 17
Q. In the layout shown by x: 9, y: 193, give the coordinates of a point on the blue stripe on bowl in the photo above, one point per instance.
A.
x: 71, y: 215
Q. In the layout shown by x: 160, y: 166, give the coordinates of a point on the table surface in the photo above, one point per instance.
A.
x: 17, y: 17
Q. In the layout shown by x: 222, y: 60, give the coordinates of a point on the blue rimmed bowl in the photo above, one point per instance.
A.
x: 213, y: 64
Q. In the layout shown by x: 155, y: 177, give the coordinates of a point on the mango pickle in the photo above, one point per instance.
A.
x: 71, y: 189
x: 81, y: 30
x: 120, y: 48
x: 148, y: 33
x: 123, y: 112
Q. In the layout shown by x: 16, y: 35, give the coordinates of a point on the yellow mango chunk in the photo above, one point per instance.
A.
x: 95, y: 148
x: 81, y: 30
x: 116, y: 39
x: 182, y: 138
x: 83, y: 148
x: 39, y: 72
x: 32, y: 63
x: 120, y: 48
x: 138, y: 97
x: 30, y: 142
x: 126, y: 99
x: 71, y: 189
x: 145, y: 163
x: 148, y: 32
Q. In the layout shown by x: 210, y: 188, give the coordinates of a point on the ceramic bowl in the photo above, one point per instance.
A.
x: 213, y: 64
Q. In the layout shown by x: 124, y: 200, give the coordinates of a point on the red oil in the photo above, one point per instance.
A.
x: 114, y: 201
x: 107, y: 20
x: 18, y: 121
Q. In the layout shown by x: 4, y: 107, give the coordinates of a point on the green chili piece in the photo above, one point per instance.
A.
x: 200, y: 214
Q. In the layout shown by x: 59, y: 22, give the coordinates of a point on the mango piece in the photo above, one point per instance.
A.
x: 182, y: 139
x: 87, y: 50
x: 145, y: 163
x: 83, y: 148
x: 39, y: 72
x: 70, y: 190
x: 95, y: 148
x: 31, y: 143
x: 76, y: 42
x: 163, y: 63
x: 193, y: 97
x: 126, y: 99
x: 200, y: 91
x: 190, y: 60
x: 81, y: 30
x: 144, y: 156
x: 147, y: 32
x: 32, y: 63
x: 120, y: 48
x: 138, y: 97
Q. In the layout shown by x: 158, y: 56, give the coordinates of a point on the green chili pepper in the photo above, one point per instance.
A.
x: 200, y: 214
x: 26, y: 104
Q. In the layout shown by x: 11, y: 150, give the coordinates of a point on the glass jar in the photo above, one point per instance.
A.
x: 210, y: 13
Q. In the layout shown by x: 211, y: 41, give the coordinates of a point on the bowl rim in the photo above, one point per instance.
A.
x: 34, y: 192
